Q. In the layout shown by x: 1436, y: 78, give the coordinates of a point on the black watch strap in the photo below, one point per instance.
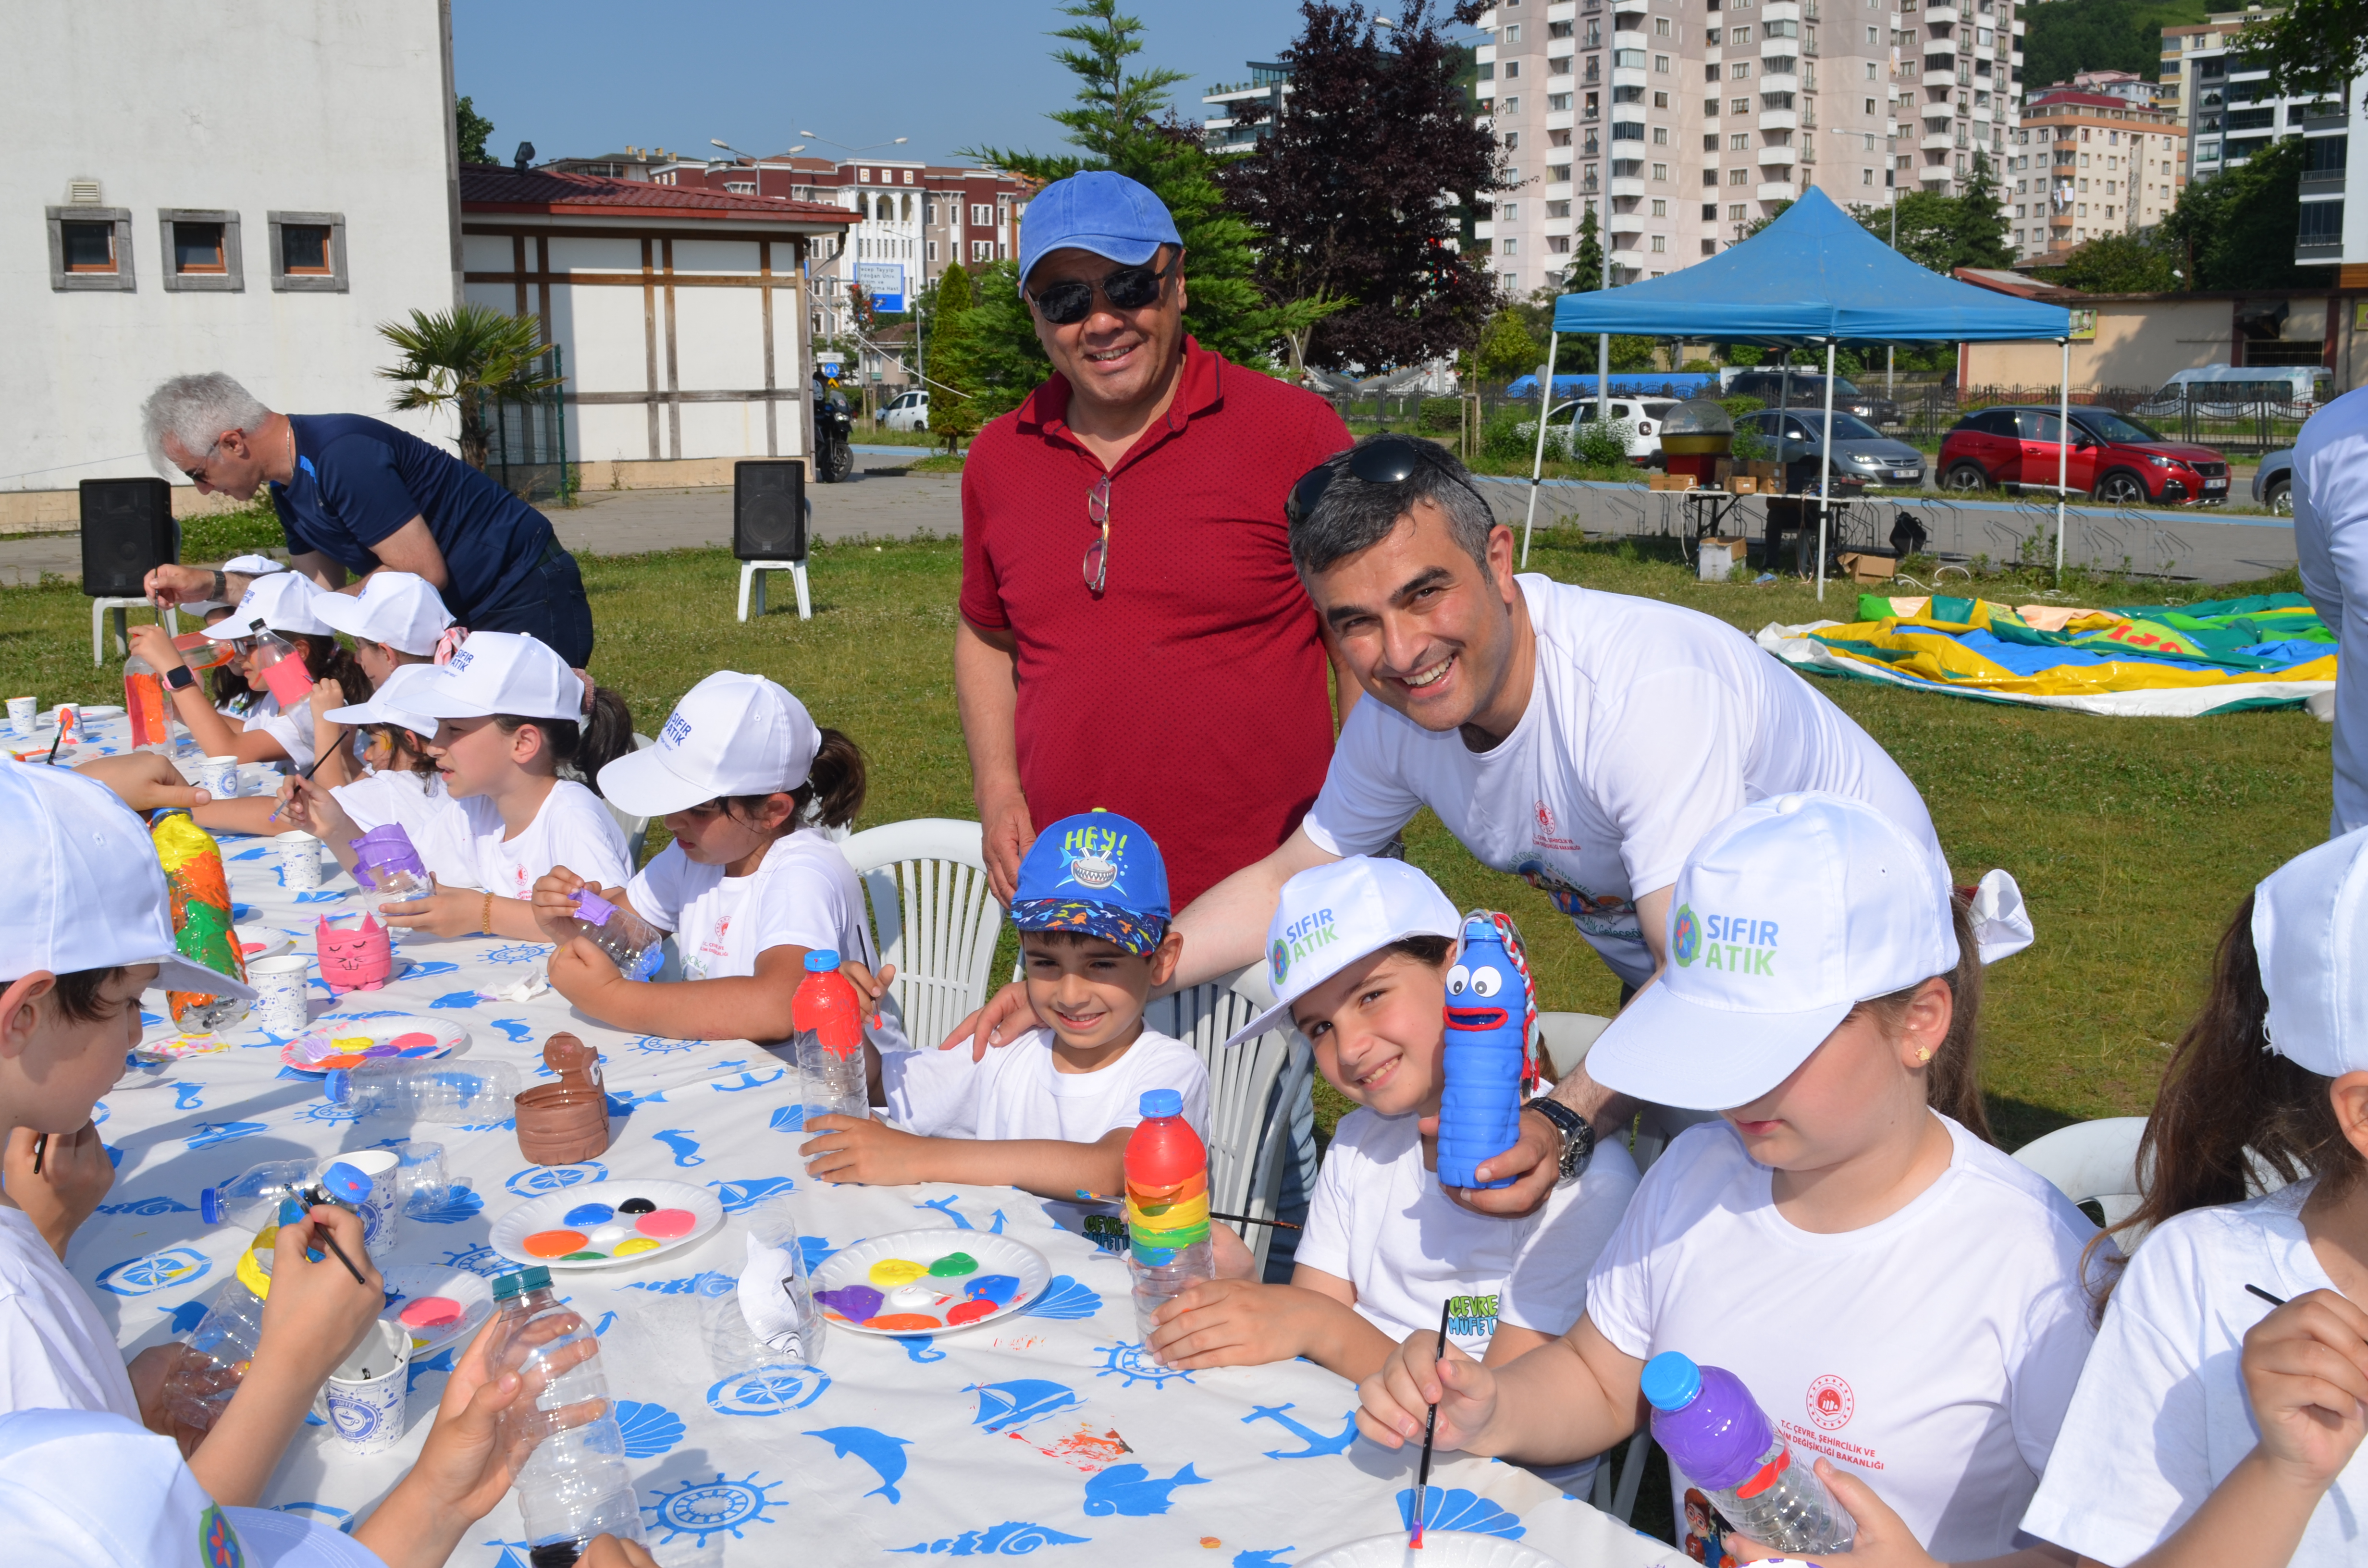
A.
x: 1578, y: 1135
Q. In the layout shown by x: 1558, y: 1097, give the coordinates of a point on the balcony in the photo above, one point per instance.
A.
x: 1484, y: 230
x: 1940, y: 16
x: 2318, y: 116
x: 1627, y: 223
x: 1781, y: 83
x: 1775, y: 157
x: 1779, y: 120
x: 2313, y: 250
x: 1939, y: 142
x: 2317, y: 180
x: 1774, y: 190
x: 1940, y: 78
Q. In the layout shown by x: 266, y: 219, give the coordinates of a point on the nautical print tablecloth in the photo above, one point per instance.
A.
x: 1049, y: 1431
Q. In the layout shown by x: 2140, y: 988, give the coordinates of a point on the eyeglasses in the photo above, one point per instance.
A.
x: 197, y: 475
x: 1098, y: 552
x: 1070, y: 301
x: 1384, y: 459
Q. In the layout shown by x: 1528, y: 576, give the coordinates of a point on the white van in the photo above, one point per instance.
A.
x: 2227, y: 392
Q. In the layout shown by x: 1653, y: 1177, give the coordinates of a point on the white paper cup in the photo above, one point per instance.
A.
x: 219, y: 778
x: 364, y: 1399
x: 21, y: 712
x: 300, y: 860
x: 282, y: 988
x: 378, y: 1210
x: 257, y: 778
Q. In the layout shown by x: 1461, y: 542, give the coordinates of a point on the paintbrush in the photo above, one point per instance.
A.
x: 1429, y: 1428
x: 51, y: 760
x: 307, y: 776
x: 2256, y: 1289
x: 41, y: 1147
x: 316, y: 1195
x: 1085, y: 1197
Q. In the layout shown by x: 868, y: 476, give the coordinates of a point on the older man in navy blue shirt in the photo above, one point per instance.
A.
x: 356, y: 494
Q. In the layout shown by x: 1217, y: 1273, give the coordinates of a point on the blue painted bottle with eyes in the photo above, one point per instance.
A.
x: 1488, y: 1020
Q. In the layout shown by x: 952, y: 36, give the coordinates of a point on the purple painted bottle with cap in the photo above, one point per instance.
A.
x: 633, y: 944
x: 1719, y: 1438
x: 390, y: 870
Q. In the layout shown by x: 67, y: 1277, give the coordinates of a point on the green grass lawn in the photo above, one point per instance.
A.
x: 2133, y: 839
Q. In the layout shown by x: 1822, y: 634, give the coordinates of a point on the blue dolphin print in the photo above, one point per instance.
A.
x: 1129, y: 1489
x: 883, y: 1453
x: 457, y: 999
x: 440, y: 1362
x: 685, y: 1146
x: 624, y: 1102
x: 185, y: 1097
x: 211, y: 1133
x: 1317, y: 1443
x: 602, y: 1326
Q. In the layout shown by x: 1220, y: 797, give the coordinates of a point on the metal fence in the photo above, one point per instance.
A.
x: 526, y: 451
x: 2235, y: 420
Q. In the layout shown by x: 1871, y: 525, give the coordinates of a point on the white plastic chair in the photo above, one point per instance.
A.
x: 2092, y: 1162
x: 1249, y: 1120
x: 752, y: 576
x: 101, y: 607
x: 932, y: 917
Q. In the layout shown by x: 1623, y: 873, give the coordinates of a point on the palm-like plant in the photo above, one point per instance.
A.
x: 462, y: 356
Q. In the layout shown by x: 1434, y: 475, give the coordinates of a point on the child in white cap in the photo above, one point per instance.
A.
x: 395, y: 618
x: 1900, y: 1296
x: 745, y: 781
x: 509, y: 714
x: 87, y: 929
x: 1360, y: 951
x: 283, y: 603
x: 2212, y: 1425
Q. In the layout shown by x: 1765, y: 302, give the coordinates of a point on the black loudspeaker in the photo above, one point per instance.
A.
x: 768, y: 509
x: 127, y: 528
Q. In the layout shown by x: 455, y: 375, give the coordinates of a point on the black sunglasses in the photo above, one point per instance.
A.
x: 1384, y: 460
x: 1070, y: 301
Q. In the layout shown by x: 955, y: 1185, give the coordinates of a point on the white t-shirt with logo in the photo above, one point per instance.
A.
x: 804, y: 893
x: 1381, y: 1221
x: 292, y: 729
x: 573, y: 829
x: 1019, y: 1093
x: 2160, y: 1416
x: 1649, y: 724
x: 1933, y: 1352
x: 55, y: 1352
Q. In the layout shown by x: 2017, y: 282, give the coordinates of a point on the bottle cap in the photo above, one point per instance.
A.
x: 1670, y: 1380
x: 821, y: 960
x: 210, y: 1205
x: 592, y: 908
x: 346, y: 1184
x: 339, y: 1086
x: 532, y: 1277
x: 1163, y: 1102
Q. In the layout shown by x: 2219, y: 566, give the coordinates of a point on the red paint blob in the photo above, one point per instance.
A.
x: 667, y: 1224
x: 430, y: 1311
x: 971, y: 1311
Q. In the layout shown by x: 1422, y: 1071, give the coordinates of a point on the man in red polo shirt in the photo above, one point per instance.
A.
x: 1133, y: 633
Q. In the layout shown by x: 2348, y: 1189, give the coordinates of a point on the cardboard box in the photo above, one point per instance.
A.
x: 1671, y: 482
x: 1743, y: 485
x: 1733, y: 546
x: 1770, y: 475
x: 1864, y: 567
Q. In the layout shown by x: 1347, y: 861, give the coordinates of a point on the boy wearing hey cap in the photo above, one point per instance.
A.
x: 1051, y: 1111
x: 1361, y: 952
x: 745, y: 781
x: 1844, y: 1239
x: 88, y: 929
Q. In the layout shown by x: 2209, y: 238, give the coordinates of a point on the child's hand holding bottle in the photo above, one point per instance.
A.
x: 553, y: 902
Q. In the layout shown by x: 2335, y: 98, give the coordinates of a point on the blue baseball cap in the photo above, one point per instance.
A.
x: 1097, y: 874
x: 1097, y: 211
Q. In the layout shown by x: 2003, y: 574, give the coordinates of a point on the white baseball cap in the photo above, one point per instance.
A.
x: 91, y: 1489
x: 2310, y: 916
x: 731, y: 734
x: 280, y: 602
x: 86, y: 892
x: 401, y: 609
x: 1328, y: 916
x: 1785, y: 916
x: 253, y: 565
x: 500, y: 672
x: 391, y: 703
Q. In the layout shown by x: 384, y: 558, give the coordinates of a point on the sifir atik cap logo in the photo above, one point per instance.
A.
x: 1685, y: 936
x: 1280, y: 960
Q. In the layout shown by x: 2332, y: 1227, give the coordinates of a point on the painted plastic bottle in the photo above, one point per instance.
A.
x: 202, y: 919
x: 1719, y: 1438
x: 283, y: 670
x: 426, y: 1091
x: 251, y: 1199
x: 1487, y: 1023
x: 1166, y: 1206
x: 390, y: 870
x: 199, y: 1386
x: 828, y: 1017
x: 633, y: 944
x: 574, y: 1484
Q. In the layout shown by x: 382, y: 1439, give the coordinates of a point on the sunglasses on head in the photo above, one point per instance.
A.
x: 1384, y: 460
x: 1070, y: 301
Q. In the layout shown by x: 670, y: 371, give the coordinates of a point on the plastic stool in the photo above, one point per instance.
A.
x: 102, y: 607
x: 752, y: 584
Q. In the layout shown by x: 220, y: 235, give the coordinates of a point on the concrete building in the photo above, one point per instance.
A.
x: 1694, y: 118
x: 264, y: 230
x: 2141, y: 340
x: 2232, y: 115
x: 1269, y: 86
x: 2087, y: 164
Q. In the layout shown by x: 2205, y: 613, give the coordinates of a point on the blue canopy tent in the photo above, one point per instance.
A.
x: 1815, y: 275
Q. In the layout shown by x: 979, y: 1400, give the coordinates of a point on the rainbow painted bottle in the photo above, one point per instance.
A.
x: 1166, y: 1206
x: 202, y: 919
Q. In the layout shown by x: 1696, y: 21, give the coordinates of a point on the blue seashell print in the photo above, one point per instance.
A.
x: 1013, y: 1538
x: 1065, y: 1300
x: 650, y: 1429
x: 707, y: 1282
x: 790, y: 1118
x: 456, y: 1203
x: 1457, y: 1508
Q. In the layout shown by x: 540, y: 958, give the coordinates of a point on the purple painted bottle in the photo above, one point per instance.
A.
x: 1716, y: 1435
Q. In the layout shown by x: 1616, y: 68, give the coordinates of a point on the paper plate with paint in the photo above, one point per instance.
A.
x: 173, y: 1047
x: 1440, y: 1549
x: 347, y: 1042
x: 435, y: 1306
x: 261, y: 942
x: 928, y: 1281
x: 608, y: 1223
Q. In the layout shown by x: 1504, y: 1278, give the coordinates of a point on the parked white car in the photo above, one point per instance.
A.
x: 1642, y: 416
x: 910, y: 411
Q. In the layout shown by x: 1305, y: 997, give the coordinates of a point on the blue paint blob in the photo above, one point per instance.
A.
x: 996, y: 1288
x: 589, y: 1214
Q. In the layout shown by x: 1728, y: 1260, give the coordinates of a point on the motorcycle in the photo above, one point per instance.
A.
x: 834, y: 439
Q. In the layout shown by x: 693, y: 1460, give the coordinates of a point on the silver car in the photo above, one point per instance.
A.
x: 1862, y: 454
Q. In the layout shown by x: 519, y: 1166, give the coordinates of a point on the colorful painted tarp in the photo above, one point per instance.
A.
x: 2217, y: 656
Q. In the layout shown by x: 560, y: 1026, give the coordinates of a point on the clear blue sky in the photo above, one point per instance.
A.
x: 590, y: 77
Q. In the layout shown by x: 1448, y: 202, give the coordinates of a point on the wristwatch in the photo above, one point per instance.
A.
x: 1578, y: 1136
x: 180, y: 677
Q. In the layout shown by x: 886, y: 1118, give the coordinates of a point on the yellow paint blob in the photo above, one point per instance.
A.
x: 632, y: 1245
x: 891, y: 1272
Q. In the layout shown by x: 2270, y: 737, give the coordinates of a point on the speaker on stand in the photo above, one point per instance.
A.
x: 127, y: 529
x: 770, y: 514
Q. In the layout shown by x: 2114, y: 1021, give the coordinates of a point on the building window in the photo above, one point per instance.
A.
x: 1866, y: 177
x: 308, y: 252
x: 1558, y: 244
x: 1660, y: 27
x: 1557, y: 103
x: 981, y: 250
x: 863, y: 177
x: 200, y: 250
x: 1509, y: 212
x: 1660, y: 171
x: 1660, y: 136
x: 1739, y: 142
x: 1557, y: 208
x: 1740, y: 70
x: 1735, y: 213
x: 1661, y: 64
x: 90, y: 248
x: 1739, y: 176
x: 1510, y: 282
x: 1512, y: 106
x: 1508, y: 247
x: 982, y: 216
x: 1660, y: 243
x: 1512, y: 69
x: 1740, y: 106
x: 1660, y: 207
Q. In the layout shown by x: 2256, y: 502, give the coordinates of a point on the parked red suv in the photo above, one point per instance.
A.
x: 2116, y: 460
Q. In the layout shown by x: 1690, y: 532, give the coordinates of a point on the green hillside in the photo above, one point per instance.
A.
x: 2064, y: 36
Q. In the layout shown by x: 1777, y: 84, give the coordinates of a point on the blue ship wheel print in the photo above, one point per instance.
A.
x: 356, y: 1420
x: 768, y: 1391
x: 480, y: 1260
x: 536, y: 1180
x: 1136, y: 1364
x: 156, y: 1271
x: 703, y: 1509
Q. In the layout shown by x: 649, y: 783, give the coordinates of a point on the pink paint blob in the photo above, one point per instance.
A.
x: 430, y: 1311
x: 667, y: 1224
x: 409, y: 1041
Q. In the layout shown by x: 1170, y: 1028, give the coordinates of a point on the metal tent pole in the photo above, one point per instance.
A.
x: 1826, y: 471
x: 1538, y: 463
x: 2063, y: 452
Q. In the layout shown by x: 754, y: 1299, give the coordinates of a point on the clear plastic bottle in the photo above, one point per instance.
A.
x: 426, y: 1091
x: 1719, y: 1438
x: 770, y: 1320
x: 828, y: 1017
x: 390, y: 872
x: 574, y: 1486
x: 251, y: 1199
x: 1166, y: 1206
x: 216, y: 1352
x: 633, y: 944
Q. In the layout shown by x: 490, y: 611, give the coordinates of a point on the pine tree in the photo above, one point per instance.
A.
x: 1980, y: 227
x: 1585, y: 273
x: 953, y: 408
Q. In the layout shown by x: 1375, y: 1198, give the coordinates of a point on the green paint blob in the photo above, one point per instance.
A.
x: 953, y: 1265
x: 583, y: 1257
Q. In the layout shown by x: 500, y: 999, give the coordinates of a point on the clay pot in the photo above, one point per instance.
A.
x: 566, y: 1122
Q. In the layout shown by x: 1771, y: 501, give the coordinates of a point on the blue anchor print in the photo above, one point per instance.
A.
x: 1317, y: 1443
x: 962, y: 1222
x: 747, y: 1080
x: 685, y: 1146
x: 185, y: 1097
